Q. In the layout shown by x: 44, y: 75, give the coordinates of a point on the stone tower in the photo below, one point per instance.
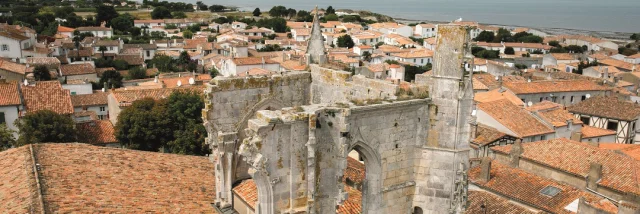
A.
x: 315, y: 48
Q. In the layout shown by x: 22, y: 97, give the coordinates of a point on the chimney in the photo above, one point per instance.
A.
x: 485, y: 169
x: 570, y: 124
x: 595, y: 174
x: 105, y: 86
x: 606, y: 72
x: 616, y: 80
x: 499, y: 82
x: 516, y: 152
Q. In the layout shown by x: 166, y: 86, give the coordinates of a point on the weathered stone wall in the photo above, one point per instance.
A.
x: 332, y: 86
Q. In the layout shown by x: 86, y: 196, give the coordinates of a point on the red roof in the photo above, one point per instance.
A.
x: 96, y: 132
x: 47, y: 95
x: 10, y: 95
x: 63, y: 29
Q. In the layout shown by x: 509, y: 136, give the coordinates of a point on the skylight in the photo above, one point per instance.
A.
x: 550, y: 191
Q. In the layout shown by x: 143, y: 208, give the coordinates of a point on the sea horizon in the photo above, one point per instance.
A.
x: 592, y: 15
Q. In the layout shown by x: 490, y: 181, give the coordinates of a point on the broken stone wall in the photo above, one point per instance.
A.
x: 332, y: 86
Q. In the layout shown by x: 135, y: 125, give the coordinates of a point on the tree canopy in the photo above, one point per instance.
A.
x: 41, y: 73
x: 105, y: 14
x: 257, y: 12
x: 161, y: 13
x: 345, y: 41
x: 485, y: 36
x: 112, y: 78
x: 174, y: 124
x: 509, y: 51
x: 6, y: 137
x: 330, y: 10
x: 45, y: 126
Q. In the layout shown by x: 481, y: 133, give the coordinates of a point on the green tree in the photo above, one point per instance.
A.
x: 345, y: 41
x: 137, y: 73
x: 278, y: 11
x: 194, y: 28
x: 122, y: 23
x: 162, y: 63
x: 509, y: 51
x: 135, y: 31
x: 304, y: 16
x: 366, y: 56
x: 184, y: 59
x: 257, y: 12
x: 184, y: 109
x: 105, y: 14
x: 330, y: 10
x: 45, y: 126
x: 41, y: 73
x: 635, y: 36
x: 216, y: 8
x: 487, y: 54
x: 213, y: 72
x: 485, y: 36
x: 144, y: 125
x: 112, y: 78
x: 331, y: 17
x: 554, y: 43
x: 119, y: 64
x: 187, y: 34
x: 503, y: 35
x: 291, y: 13
x: 161, y: 13
x: 102, y: 49
x: 6, y: 137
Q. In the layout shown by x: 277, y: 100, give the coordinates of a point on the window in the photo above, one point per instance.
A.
x: 73, y: 93
x: 584, y: 97
x: 5, y: 47
x: 612, y: 125
x: 2, y: 120
x: 111, y: 48
x: 101, y: 117
x: 148, y: 53
x: 571, y: 99
x: 102, y: 108
x: 422, y: 61
x: 84, y: 108
x: 541, y: 99
x: 585, y: 120
x: 543, y: 137
x: 550, y: 191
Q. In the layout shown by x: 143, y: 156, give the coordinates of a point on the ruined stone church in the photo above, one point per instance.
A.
x: 292, y: 132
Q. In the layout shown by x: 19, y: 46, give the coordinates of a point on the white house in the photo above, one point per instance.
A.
x: 97, y: 31
x: 426, y: 30
x: 235, y: 66
x: 10, y: 105
x: 396, y: 72
x: 367, y: 37
x: 554, y: 59
x: 13, y: 42
x: 415, y: 57
x: 148, y: 23
x: 95, y: 102
x: 633, y: 59
x: 238, y: 25
x: 392, y: 28
x: 300, y: 34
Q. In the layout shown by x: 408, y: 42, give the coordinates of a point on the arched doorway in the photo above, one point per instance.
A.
x: 367, y: 183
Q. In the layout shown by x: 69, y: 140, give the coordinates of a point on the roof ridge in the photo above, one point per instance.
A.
x: 36, y: 174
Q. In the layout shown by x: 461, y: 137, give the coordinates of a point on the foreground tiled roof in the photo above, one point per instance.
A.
x: 631, y: 150
x: 248, y: 192
x: 619, y: 172
x: 496, y: 94
x: 80, y: 178
x: 515, y: 118
x: 18, y: 191
x: 47, y: 95
x: 607, y: 107
x: 95, y: 99
x: 77, y: 69
x: 10, y: 94
x: 96, y: 132
x: 492, y: 204
x: 525, y: 187
x: 552, y: 86
x: 353, y: 204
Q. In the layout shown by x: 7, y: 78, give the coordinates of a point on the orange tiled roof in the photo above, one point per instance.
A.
x: 248, y: 192
x: 255, y: 72
x: 98, y: 98
x: 607, y: 107
x: 353, y: 204
x: 96, y: 132
x: 619, y: 172
x: 590, y: 132
x: 618, y: 64
x: 515, y: 118
x: 13, y: 67
x: 252, y: 61
x: 525, y: 187
x: 486, y: 135
x: 631, y: 150
x: 64, y: 29
x: 551, y: 86
x: 106, y: 180
x: 492, y: 204
x: 77, y: 69
x: 10, y: 94
x: 415, y: 54
x: 126, y: 97
x: 47, y: 95
x: 553, y: 113
x: 131, y: 59
x: 496, y: 94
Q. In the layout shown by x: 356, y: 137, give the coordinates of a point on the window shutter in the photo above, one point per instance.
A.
x: 2, y: 120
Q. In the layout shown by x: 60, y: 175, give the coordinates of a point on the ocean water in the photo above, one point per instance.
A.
x: 596, y: 15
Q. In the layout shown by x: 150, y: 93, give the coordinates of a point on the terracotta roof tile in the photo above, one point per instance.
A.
x: 486, y: 135
x: 13, y: 67
x: 248, y: 192
x: 111, y: 180
x: 47, y: 95
x: 551, y: 86
x: 608, y: 107
x: 496, y: 94
x: 415, y: 54
x: 553, y: 113
x: 95, y: 99
x: 591, y: 132
x: 256, y: 72
x: 10, y: 94
x: 126, y: 97
x: 17, y: 182
x: 353, y: 204
x: 525, y: 187
x: 77, y: 69
x: 252, y: 61
x: 492, y: 204
x: 619, y: 172
x: 131, y: 59
x: 515, y: 118
x: 96, y: 132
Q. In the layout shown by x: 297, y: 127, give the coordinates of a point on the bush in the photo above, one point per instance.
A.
x: 119, y: 64
x: 509, y: 51
x: 45, y: 126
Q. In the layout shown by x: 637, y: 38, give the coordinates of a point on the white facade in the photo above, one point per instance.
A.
x: 12, y: 48
x: 426, y: 30
x: 10, y: 114
x: 79, y: 89
x: 229, y: 68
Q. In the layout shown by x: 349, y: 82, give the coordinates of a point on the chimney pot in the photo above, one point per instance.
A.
x: 516, y: 152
